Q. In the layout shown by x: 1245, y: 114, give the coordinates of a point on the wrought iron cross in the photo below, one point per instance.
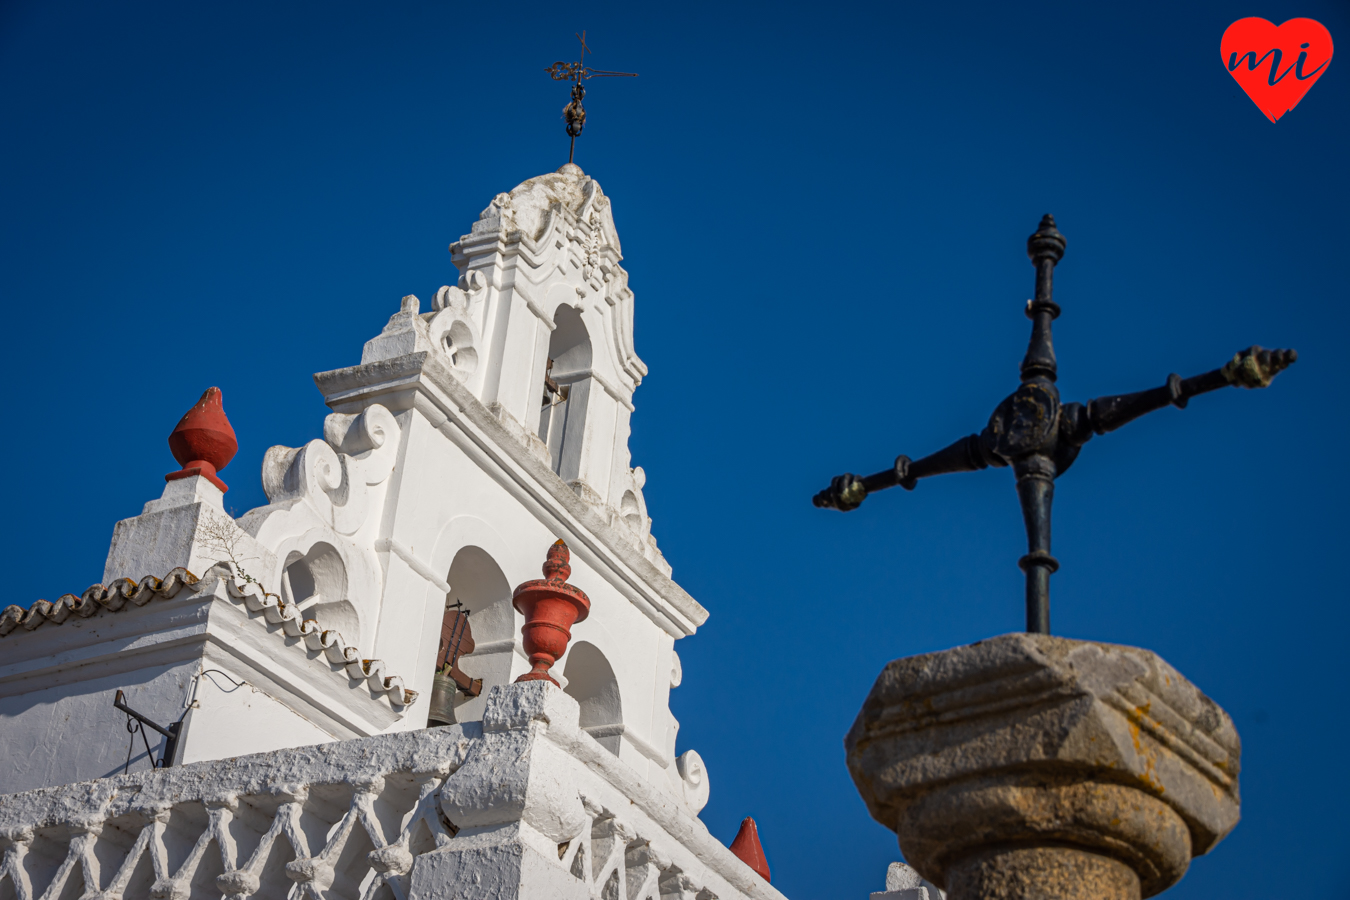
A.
x: 1039, y: 436
x: 574, y: 112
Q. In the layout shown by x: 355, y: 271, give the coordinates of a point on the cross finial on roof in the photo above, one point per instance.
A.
x: 574, y: 113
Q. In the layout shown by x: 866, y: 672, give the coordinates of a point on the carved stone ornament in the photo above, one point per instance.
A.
x: 1036, y: 766
x: 451, y: 326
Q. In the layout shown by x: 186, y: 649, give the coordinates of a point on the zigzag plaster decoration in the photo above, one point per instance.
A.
x: 114, y: 597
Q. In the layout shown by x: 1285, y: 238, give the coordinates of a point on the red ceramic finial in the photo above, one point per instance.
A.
x: 550, y: 607
x: 557, y: 565
x: 203, y: 441
x: 747, y: 848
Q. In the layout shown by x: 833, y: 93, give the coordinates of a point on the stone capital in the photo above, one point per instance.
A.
x: 1016, y: 758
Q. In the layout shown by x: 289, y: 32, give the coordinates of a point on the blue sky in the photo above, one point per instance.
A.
x: 824, y: 211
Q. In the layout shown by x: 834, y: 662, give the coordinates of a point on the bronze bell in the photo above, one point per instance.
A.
x: 442, y: 706
x: 456, y: 639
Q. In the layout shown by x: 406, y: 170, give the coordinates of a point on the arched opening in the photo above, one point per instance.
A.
x: 477, y: 581
x: 316, y: 582
x: 566, y: 390
x: 591, y: 682
x: 631, y: 512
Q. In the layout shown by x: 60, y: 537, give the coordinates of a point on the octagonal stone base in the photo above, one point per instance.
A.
x: 1031, y: 766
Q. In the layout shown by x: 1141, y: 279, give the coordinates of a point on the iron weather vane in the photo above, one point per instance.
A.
x: 574, y: 113
x: 1040, y: 437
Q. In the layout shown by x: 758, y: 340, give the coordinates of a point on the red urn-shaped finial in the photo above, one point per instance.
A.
x: 748, y: 850
x: 203, y: 441
x: 549, y: 606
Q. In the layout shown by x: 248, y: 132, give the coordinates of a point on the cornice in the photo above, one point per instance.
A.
x: 422, y: 381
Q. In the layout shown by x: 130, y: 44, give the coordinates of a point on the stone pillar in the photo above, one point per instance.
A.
x: 1030, y: 766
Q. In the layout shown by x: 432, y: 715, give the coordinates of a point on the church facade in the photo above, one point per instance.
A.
x: 293, y: 658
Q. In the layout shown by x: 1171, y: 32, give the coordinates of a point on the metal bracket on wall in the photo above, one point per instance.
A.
x: 170, y: 733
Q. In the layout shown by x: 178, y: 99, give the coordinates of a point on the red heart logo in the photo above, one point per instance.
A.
x: 1276, y: 65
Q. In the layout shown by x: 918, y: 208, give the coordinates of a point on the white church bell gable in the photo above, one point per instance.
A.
x: 379, y: 577
x: 470, y: 436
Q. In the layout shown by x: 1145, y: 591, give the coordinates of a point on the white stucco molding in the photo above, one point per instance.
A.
x: 390, y: 545
x: 501, y: 646
x: 534, y: 306
x: 423, y: 382
x: 632, y: 737
x: 612, y: 390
